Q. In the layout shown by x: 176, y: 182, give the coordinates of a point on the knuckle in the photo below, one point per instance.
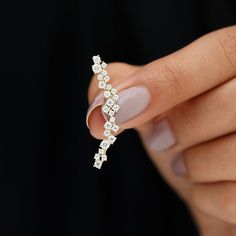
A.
x: 166, y: 76
x: 176, y: 75
x: 185, y: 111
x: 226, y: 41
x: 151, y: 78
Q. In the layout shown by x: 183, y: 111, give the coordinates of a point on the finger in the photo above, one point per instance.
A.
x: 96, y: 124
x: 217, y: 199
x: 199, y: 67
x: 198, y: 120
x: 95, y: 119
x: 117, y: 71
x: 212, y: 161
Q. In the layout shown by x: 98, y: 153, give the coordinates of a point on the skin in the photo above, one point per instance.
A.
x: 194, y: 88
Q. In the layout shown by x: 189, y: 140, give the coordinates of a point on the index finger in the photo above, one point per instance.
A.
x: 164, y: 83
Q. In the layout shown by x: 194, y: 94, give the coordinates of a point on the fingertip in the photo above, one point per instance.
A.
x: 97, y: 102
x: 95, y: 122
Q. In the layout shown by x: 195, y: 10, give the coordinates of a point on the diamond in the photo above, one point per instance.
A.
x: 115, y: 128
x: 97, y: 156
x: 104, y: 65
x: 104, y: 72
x: 103, y: 157
x: 101, y: 151
x: 96, y: 59
x: 106, y: 78
x: 100, y: 77
x: 115, y: 97
x: 106, y: 133
x: 109, y: 87
x: 102, y: 84
x: 97, y: 164
x: 112, y: 119
x: 113, y: 91
x: 108, y: 125
x: 96, y: 68
x: 116, y: 107
x: 111, y: 113
x: 105, y: 109
x: 112, y: 139
x: 107, y: 94
x: 104, y: 144
x: 110, y: 102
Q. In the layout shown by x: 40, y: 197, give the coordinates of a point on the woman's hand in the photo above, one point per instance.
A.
x: 184, y: 108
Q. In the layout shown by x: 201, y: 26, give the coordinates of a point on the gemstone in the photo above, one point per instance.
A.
x: 104, y: 65
x: 102, y: 84
x: 110, y: 102
x: 104, y: 144
x: 101, y: 151
x: 97, y: 156
x: 96, y: 68
x: 111, y: 113
x: 108, y: 125
x: 112, y: 119
x: 106, y: 78
x: 116, y: 107
x: 105, y: 109
x: 103, y: 157
x: 106, y: 132
x: 100, y: 77
x: 104, y: 72
x: 112, y: 139
x: 107, y: 94
x: 97, y: 164
x: 115, y: 128
x: 115, y: 97
x: 96, y: 59
x: 113, y: 91
x: 109, y: 87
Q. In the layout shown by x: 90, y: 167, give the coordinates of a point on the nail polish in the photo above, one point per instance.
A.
x: 178, y: 166
x: 161, y: 137
x: 98, y: 101
x: 132, y: 102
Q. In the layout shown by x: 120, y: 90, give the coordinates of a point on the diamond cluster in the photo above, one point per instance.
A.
x: 110, y: 107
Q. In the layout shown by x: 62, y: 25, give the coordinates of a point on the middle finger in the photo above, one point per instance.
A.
x: 201, y: 119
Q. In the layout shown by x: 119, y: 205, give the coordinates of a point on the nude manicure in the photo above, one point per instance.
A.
x: 98, y: 101
x: 132, y: 102
x: 161, y: 137
x: 178, y: 165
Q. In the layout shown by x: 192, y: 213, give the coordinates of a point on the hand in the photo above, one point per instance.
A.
x: 184, y: 108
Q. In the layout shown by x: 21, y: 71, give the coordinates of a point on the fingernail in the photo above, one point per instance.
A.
x: 98, y: 101
x: 178, y: 166
x: 132, y: 102
x: 161, y: 137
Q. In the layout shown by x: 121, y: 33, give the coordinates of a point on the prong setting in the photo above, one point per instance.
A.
x: 109, y: 108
